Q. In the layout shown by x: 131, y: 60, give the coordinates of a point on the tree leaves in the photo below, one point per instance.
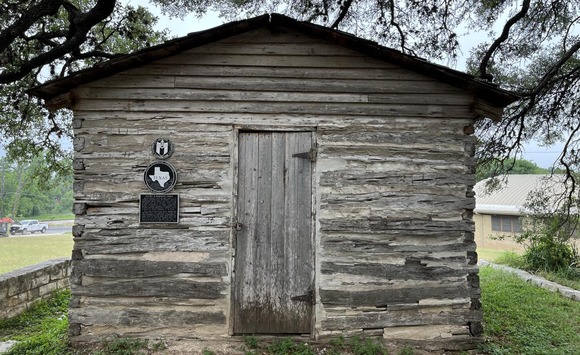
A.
x: 43, y: 40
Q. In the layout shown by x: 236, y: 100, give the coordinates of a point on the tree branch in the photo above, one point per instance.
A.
x: 30, y: 16
x: 569, y: 171
x: 504, y: 35
x: 81, y: 24
x: 343, y: 11
x: 554, y: 69
x: 397, y: 26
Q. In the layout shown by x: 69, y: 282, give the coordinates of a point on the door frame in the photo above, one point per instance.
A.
x: 237, y: 129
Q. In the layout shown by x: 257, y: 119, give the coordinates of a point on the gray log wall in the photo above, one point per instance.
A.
x: 394, y: 249
x: 22, y: 288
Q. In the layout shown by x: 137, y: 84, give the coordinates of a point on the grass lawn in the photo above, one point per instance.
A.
x: 520, y: 318
x: 569, y: 278
x: 21, y: 251
x: 491, y: 255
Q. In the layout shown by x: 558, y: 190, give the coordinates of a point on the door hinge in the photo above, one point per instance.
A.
x: 311, y: 155
x: 307, y: 297
x: 238, y: 226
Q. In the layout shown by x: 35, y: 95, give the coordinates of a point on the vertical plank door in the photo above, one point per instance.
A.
x: 274, y: 262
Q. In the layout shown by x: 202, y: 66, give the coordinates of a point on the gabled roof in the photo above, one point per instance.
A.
x: 488, y: 92
x: 510, y: 198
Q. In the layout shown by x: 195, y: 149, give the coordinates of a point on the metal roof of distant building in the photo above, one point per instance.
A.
x: 511, y: 196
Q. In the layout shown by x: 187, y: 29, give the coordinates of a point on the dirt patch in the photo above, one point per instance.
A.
x: 235, y: 347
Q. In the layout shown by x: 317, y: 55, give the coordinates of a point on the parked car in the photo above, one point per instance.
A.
x: 3, y: 230
x: 28, y: 226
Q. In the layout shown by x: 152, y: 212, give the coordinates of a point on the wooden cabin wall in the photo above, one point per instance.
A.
x: 394, y: 175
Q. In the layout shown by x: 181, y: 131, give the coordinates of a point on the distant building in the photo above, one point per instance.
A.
x: 497, y: 213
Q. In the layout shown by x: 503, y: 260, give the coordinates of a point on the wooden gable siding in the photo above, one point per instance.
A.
x: 393, y: 188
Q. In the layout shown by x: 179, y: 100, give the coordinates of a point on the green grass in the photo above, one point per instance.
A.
x: 41, y: 330
x: 18, y: 252
x: 520, y: 318
x: 336, y: 346
x: 569, y: 277
x: 491, y: 255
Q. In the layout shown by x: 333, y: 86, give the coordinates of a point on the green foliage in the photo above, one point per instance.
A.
x: 207, y: 351
x: 30, y: 189
x: 569, y: 277
x: 289, y: 346
x: 122, y: 346
x: 366, y: 346
x: 251, y: 341
x: 546, y: 254
x: 494, y: 168
x: 520, y: 318
x: 336, y: 346
x: 338, y: 343
x: 41, y: 330
x: 549, y: 233
x: 406, y: 350
x: 512, y: 259
x: 43, y: 47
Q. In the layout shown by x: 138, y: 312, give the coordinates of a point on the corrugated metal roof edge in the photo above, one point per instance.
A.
x: 510, y: 210
x: 483, y: 90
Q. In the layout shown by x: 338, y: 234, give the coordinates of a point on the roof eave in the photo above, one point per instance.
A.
x: 489, y: 93
x: 58, y: 87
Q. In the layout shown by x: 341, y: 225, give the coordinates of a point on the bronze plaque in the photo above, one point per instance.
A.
x: 154, y: 208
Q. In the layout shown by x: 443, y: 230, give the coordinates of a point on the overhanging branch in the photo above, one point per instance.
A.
x: 343, y: 11
x: 504, y: 36
x: 81, y: 24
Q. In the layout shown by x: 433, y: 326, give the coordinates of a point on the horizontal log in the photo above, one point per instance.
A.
x: 143, y: 317
x: 355, y: 109
x: 384, y: 297
x: 147, y: 287
x: 267, y: 49
x: 384, y: 73
x: 121, y: 241
x: 275, y: 60
x: 413, y: 269
x: 123, y: 268
x: 450, y: 141
x: 374, y: 200
x: 303, y: 85
x: 265, y: 96
x: 399, y: 318
x: 396, y: 180
x: 366, y: 244
x: 385, y: 224
x: 279, y: 121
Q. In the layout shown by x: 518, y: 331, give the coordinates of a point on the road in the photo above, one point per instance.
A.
x: 52, y: 230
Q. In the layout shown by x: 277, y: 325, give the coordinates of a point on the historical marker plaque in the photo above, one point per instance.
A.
x: 162, y: 148
x: 155, y: 208
x: 160, y: 177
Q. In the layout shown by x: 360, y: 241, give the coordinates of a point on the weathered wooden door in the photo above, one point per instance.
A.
x: 274, y: 262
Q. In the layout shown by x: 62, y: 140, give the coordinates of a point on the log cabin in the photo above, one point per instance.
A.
x: 271, y: 176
